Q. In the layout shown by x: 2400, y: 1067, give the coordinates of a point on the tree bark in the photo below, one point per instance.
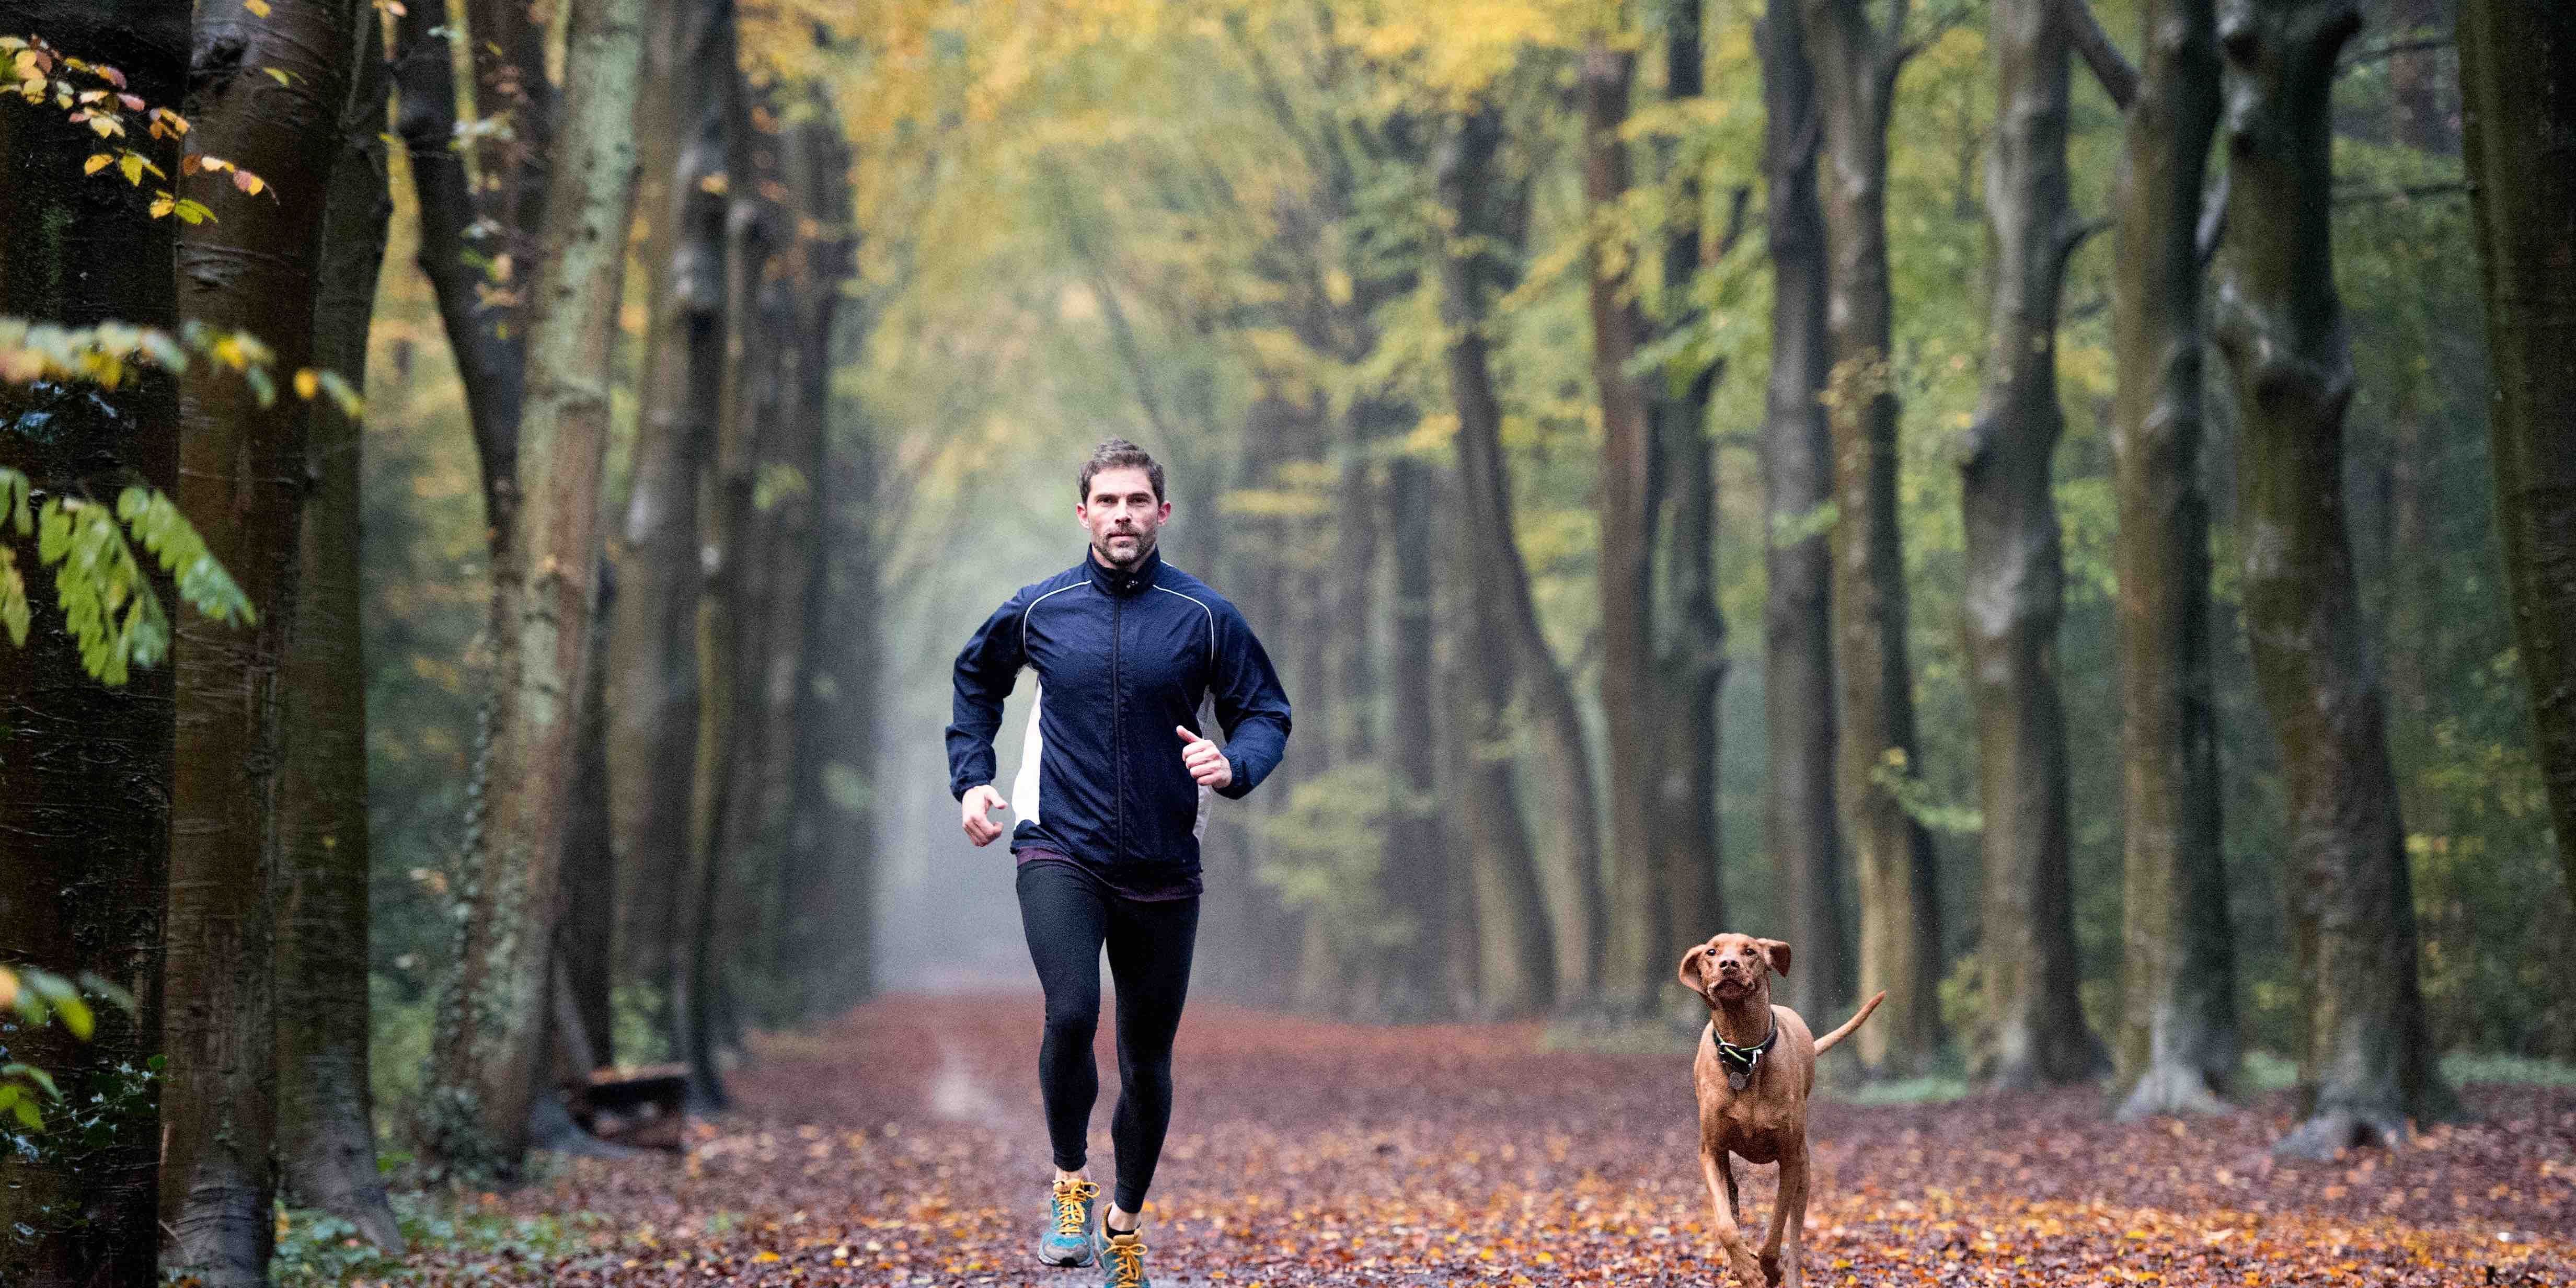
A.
x: 1856, y: 64
x: 761, y: 584
x: 1633, y: 969
x: 326, y: 1136
x: 84, y: 799
x: 654, y: 689
x: 2015, y: 592
x: 254, y: 267
x: 810, y: 891
x: 1536, y: 943
x: 487, y: 1050
x: 2178, y: 951
x: 461, y: 228
x: 1801, y: 825
x: 1690, y: 653
x: 2368, y: 1067
x: 1417, y: 856
x: 725, y: 523
x: 831, y: 835
x: 586, y: 928
x: 2518, y: 77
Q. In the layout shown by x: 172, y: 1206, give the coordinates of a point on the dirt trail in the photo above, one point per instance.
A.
x: 904, y: 1146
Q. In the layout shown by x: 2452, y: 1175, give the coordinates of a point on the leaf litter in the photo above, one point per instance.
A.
x: 904, y: 1146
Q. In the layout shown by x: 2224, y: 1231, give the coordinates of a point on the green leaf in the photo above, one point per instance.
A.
x: 32, y: 1074
x: 9, y: 1093
x: 28, y: 1114
x: 75, y: 1015
x: 203, y: 583
x: 13, y: 598
x: 96, y: 579
x: 14, y: 491
x: 344, y: 394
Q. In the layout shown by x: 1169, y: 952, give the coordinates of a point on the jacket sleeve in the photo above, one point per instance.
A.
x: 1251, y: 706
x: 986, y: 669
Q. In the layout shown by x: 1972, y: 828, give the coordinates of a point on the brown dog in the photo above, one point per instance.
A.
x: 1757, y: 1062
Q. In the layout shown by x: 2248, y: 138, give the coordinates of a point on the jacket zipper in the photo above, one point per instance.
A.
x: 1117, y: 730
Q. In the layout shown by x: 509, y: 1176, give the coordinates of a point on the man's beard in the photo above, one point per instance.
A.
x: 1109, y: 556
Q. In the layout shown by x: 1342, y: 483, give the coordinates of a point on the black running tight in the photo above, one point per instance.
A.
x: 1069, y: 917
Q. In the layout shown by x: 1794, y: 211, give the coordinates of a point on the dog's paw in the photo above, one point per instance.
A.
x: 1748, y: 1269
x: 1771, y: 1269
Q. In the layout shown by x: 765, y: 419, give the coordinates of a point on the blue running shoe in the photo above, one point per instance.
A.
x: 1067, y: 1241
x: 1123, y: 1256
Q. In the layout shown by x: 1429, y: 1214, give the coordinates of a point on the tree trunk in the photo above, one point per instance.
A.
x: 486, y: 1059
x: 2178, y: 952
x: 725, y: 523
x: 1480, y: 264
x: 1535, y: 942
x: 458, y: 231
x: 1633, y: 969
x: 84, y: 797
x: 1690, y: 665
x: 254, y: 267
x: 653, y: 698
x: 2015, y: 592
x: 1900, y: 914
x: 1800, y: 823
x: 811, y: 915
x: 831, y: 847
x: 326, y: 1136
x: 758, y: 375
x: 2518, y: 76
x: 586, y: 933
x: 1417, y: 857
x: 2368, y: 1067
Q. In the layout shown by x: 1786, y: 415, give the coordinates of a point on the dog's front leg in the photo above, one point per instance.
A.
x: 1714, y: 1165
x: 1788, y: 1222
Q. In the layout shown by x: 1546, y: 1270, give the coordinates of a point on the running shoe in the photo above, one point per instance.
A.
x: 1067, y: 1241
x: 1123, y: 1256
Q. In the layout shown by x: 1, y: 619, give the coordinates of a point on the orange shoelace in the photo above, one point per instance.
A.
x: 1069, y: 1198
x: 1127, y: 1251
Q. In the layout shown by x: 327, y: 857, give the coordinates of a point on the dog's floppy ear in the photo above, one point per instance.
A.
x: 1776, y: 953
x: 1690, y: 975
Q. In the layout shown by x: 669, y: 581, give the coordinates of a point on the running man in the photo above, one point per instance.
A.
x: 1112, y: 796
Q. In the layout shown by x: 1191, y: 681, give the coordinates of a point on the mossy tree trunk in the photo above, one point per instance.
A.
x: 2518, y: 76
x: 2178, y: 954
x: 255, y: 267
x: 85, y: 768
x: 492, y: 1031
x: 326, y: 1142
x: 1856, y: 61
x: 1801, y: 826
x: 1534, y: 945
x: 2367, y: 1068
x: 2016, y: 582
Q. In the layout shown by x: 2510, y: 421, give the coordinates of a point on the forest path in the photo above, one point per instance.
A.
x: 903, y: 1146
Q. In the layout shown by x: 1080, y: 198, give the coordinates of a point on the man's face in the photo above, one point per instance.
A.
x: 1122, y: 514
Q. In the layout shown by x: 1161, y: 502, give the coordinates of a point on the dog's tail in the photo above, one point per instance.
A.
x: 1826, y: 1043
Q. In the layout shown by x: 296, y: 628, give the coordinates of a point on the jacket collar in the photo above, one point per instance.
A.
x: 1112, y: 581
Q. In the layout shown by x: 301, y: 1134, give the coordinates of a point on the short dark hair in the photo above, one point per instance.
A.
x: 1119, y: 454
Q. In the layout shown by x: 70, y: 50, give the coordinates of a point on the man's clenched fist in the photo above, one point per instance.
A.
x: 974, y: 805
x: 1207, y: 764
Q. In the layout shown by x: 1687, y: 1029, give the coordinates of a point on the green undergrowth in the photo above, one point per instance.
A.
x: 316, y: 1249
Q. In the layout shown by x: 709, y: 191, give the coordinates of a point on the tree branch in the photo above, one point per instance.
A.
x: 2213, y: 223
x: 2119, y: 77
x: 2391, y: 50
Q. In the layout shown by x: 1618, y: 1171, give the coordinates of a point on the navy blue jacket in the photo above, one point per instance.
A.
x: 1123, y: 658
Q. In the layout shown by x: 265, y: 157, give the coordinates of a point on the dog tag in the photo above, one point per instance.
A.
x: 1735, y: 1079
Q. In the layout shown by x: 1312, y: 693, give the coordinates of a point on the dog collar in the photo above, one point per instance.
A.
x: 1740, y: 1061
